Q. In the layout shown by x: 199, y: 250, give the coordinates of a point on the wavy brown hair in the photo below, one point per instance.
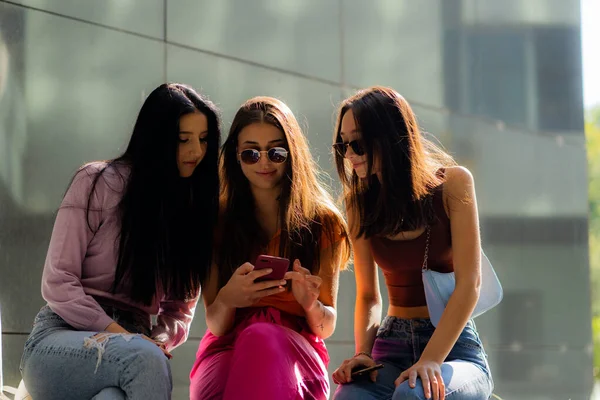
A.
x: 410, y: 165
x: 307, y: 212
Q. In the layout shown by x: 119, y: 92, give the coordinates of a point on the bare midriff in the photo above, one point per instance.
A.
x: 408, y: 312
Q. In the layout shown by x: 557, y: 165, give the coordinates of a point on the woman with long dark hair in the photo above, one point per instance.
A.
x: 409, y: 207
x: 265, y: 338
x: 133, y: 239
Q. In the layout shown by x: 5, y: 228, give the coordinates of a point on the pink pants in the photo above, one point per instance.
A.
x: 268, y: 355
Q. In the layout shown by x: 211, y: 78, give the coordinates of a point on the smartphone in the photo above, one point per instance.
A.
x: 277, y: 264
x: 365, y: 371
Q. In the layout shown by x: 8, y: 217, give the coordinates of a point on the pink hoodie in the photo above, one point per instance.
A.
x: 81, y: 264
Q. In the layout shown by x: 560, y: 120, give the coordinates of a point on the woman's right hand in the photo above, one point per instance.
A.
x: 241, y: 290
x: 344, y: 373
x: 116, y: 328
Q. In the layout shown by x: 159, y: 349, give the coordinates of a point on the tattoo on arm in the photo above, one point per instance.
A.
x: 320, y: 325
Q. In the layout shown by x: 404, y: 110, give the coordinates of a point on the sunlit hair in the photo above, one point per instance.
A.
x: 410, y: 165
x: 306, y: 212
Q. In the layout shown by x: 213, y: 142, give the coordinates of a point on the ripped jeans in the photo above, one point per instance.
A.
x: 60, y: 362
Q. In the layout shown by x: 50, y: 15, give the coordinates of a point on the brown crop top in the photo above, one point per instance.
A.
x: 401, y: 260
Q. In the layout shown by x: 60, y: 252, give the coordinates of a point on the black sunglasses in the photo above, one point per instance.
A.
x: 356, y: 146
x: 274, y: 154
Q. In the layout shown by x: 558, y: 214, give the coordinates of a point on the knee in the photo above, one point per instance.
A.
x: 145, y: 366
x: 265, y: 342
x: 260, y: 334
x: 405, y: 392
x: 110, y: 393
x: 149, y: 357
x: 351, y: 391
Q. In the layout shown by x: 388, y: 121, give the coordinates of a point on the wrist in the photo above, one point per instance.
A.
x: 159, y: 339
x: 313, y: 307
x: 363, y: 353
x: 113, y: 327
x: 221, y: 302
x: 427, y: 358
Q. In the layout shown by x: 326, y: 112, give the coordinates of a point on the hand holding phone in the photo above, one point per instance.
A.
x: 277, y: 264
x: 361, y: 366
x: 243, y: 290
x: 365, y: 371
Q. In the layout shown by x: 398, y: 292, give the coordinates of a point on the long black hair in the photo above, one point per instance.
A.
x: 167, y: 222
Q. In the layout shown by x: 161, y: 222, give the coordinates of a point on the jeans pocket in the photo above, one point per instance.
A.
x: 469, y: 338
x: 47, y: 318
x: 384, y: 329
x: 469, y: 343
x: 381, y: 332
x: 469, y: 348
x: 45, y: 314
x: 25, y: 354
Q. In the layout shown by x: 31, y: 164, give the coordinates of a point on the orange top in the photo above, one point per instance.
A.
x: 285, y: 301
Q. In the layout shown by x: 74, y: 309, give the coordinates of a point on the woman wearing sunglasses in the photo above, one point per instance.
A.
x: 265, y: 338
x: 408, y: 206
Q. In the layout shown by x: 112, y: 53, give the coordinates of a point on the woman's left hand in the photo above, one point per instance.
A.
x: 305, y: 287
x: 161, y: 345
x: 431, y: 378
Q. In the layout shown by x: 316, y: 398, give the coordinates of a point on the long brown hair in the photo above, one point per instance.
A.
x: 306, y: 210
x: 410, y: 165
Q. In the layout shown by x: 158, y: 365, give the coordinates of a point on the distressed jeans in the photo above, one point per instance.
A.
x: 60, y: 362
x: 400, y: 343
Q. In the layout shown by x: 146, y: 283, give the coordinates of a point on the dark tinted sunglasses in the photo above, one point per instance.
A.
x: 342, y: 148
x: 274, y: 154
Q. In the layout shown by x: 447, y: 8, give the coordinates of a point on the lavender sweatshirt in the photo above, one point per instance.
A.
x: 81, y: 264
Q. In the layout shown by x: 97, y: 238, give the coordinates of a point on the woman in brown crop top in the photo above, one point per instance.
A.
x: 397, y: 186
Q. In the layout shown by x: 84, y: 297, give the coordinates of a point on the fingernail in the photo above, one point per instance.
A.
x: 282, y: 282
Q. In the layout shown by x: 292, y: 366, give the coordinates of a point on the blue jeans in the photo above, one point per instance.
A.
x: 60, y: 362
x: 400, y: 343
